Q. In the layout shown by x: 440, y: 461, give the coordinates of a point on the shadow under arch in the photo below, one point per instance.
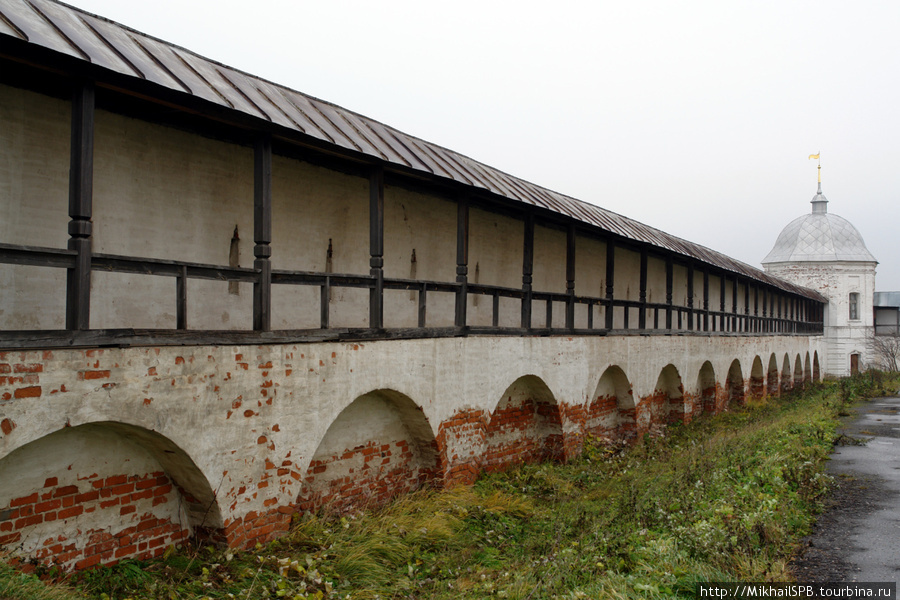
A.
x: 666, y: 405
x: 707, y: 388
x: 526, y: 426
x: 757, y: 379
x: 612, y: 411
x: 807, y: 370
x: 734, y: 384
x: 816, y: 373
x: 798, y: 372
x: 787, y: 379
x: 379, y: 447
x: 112, y: 490
x: 772, y: 387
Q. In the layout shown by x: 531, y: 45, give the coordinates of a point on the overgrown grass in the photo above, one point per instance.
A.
x: 725, y: 498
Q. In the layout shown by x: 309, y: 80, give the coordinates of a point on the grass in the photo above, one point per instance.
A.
x: 725, y: 498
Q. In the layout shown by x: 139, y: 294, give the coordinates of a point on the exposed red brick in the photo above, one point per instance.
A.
x: 7, y: 426
x: 28, y: 392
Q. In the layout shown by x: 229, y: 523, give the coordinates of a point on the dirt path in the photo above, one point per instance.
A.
x: 857, y: 538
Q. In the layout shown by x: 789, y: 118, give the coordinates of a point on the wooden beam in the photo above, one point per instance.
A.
x: 462, y: 260
x: 690, y: 296
x: 527, y: 269
x: 262, y: 233
x: 376, y: 247
x: 705, y: 298
x: 181, y: 299
x: 610, y: 280
x: 670, y: 280
x: 642, y: 297
x: 570, y: 276
x: 81, y: 189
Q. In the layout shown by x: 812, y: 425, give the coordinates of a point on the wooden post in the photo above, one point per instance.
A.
x: 723, y: 322
x: 765, y: 312
x: 642, y: 297
x: 706, y: 299
x: 462, y: 261
x: 81, y: 190
x: 262, y: 233
x: 376, y: 247
x: 570, y: 277
x: 746, y: 327
x: 610, y: 280
x: 181, y: 299
x: 734, y: 303
x: 690, y: 296
x: 670, y: 280
x: 527, y: 269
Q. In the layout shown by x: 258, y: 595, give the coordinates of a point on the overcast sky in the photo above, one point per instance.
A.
x: 693, y: 117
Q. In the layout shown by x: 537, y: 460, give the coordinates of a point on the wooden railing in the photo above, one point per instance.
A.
x: 659, y: 318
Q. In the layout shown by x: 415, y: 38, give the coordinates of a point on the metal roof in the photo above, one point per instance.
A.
x: 819, y: 237
x: 99, y: 41
x: 887, y: 299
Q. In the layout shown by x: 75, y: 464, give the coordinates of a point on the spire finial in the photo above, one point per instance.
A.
x: 819, y: 202
x: 819, y: 167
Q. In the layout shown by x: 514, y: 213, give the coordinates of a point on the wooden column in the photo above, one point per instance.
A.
x: 746, y: 306
x: 610, y: 280
x: 690, y: 296
x: 722, y: 319
x: 527, y: 269
x: 462, y: 261
x: 642, y: 317
x: 570, y: 277
x: 376, y: 247
x: 706, y: 299
x: 734, y: 303
x: 670, y: 281
x: 262, y: 233
x: 756, y: 308
x: 81, y: 190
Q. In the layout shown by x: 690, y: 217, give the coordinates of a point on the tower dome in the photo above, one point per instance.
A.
x: 819, y: 237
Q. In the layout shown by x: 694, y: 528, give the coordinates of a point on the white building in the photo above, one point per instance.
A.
x: 825, y: 252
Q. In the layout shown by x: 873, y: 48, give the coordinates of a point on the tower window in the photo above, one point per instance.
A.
x: 854, y: 306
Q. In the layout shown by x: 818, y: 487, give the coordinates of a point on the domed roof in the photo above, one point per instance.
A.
x: 819, y: 237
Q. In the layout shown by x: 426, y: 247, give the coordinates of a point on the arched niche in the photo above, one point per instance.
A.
x: 612, y: 410
x: 100, y: 492
x: 798, y: 372
x: 734, y: 384
x: 787, y: 379
x: 816, y: 373
x: 772, y: 380
x: 757, y: 379
x: 807, y: 369
x: 666, y: 405
x: 707, y: 388
x: 525, y: 427
x: 377, y: 448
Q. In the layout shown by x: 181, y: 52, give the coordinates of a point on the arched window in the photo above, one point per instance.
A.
x: 854, y: 306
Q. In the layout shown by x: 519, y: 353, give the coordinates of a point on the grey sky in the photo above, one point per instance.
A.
x: 694, y: 117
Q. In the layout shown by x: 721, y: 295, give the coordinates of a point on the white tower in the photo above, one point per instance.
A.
x: 826, y: 253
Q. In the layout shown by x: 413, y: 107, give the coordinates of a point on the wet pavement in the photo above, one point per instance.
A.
x: 858, y: 536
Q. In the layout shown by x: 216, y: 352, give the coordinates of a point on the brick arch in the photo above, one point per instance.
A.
x: 612, y: 411
x: 772, y: 387
x: 757, y: 379
x: 526, y: 426
x: 707, y: 388
x: 100, y: 492
x: 816, y: 373
x: 380, y: 446
x: 734, y: 384
x: 798, y: 372
x: 666, y: 405
x: 807, y: 370
x: 787, y: 380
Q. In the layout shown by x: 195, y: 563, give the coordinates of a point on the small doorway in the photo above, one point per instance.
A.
x: 854, y: 364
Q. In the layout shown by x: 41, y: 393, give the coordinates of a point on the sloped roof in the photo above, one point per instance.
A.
x: 104, y: 43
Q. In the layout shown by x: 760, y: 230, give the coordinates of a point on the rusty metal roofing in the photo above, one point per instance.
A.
x: 69, y: 30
